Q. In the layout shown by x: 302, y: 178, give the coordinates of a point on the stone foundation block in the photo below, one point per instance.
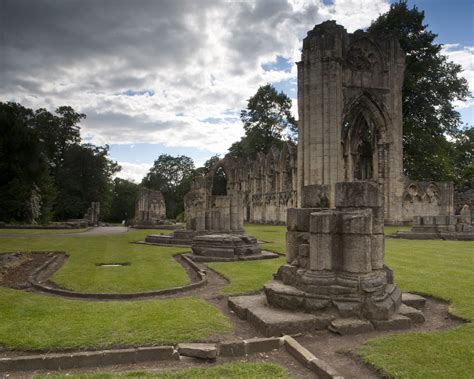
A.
x: 412, y: 300
x: 356, y: 222
x: 241, y: 304
x: 350, y: 326
x: 357, y: 257
x: 232, y: 349
x: 315, y: 196
x: 395, y: 322
x: 198, y: 350
x: 361, y: 194
x: 415, y: 315
x: 321, y: 249
x: 297, y: 219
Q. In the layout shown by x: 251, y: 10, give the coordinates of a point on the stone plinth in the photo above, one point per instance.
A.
x: 227, y: 247
x: 335, y: 258
x: 441, y: 227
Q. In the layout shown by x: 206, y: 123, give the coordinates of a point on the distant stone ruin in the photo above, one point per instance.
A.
x: 92, y: 215
x: 457, y: 227
x: 150, y: 208
x: 214, y: 221
x: 349, y: 129
x: 350, y: 179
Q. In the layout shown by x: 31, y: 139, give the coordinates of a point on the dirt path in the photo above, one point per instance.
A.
x: 95, y: 231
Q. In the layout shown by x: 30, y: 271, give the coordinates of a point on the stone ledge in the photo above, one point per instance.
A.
x: 350, y: 326
x: 198, y: 350
x: 252, y: 257
x: 101, y: 358
x: 308, y: 359
x: 413, y: 300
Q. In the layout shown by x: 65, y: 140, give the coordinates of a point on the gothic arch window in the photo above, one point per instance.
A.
x: 219, y: 182
x: 360, y: 145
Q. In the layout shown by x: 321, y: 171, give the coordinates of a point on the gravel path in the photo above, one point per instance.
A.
x: 96, y: 231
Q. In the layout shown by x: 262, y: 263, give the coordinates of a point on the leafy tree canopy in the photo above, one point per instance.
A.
x: 267, y: 122
x: 85, y: 176
x: 23, y: 167
x: 172, y: 176
x: 431, y: 85
x: 124, y: 195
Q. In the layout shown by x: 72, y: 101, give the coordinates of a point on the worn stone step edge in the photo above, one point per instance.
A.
x: 58, y: 361
x: 308, y: 359
x: 116, y: 296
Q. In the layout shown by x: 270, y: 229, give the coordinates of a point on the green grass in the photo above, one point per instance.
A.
x: 443, y: 269
x: 41, y: 231
x: 247, y: 276
x: 393, y: 229
x: 151, y: 267
x: 37, y: 322
x: 250, y: 276
x: 233, y: 370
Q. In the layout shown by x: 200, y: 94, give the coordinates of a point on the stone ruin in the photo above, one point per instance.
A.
x: 335, y: 257
x: 335, y: 276
x: 349, y: 129
x: 457, y: 227
x: 150, y: 208
x: 93, y: 214
x: 214, y: 221
x: 349, y: 179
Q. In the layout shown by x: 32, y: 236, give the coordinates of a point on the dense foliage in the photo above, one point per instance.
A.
x: 172, y: 176
x: 45, y: 171
x: 267, y: 122
x: 432, y: 128
x: 124, y: 196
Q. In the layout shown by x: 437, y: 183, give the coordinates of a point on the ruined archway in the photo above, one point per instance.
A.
x: 363, y: 136
x: 219, y: 182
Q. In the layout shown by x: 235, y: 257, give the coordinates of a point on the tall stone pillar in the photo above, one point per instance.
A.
x: 350, y: 112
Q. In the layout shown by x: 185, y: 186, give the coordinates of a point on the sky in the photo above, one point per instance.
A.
x: 171, y: 77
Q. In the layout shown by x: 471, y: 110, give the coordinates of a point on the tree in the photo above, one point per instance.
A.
x: 267, y: 122
x: 463, y: 152
x: 172, y: 176
x: 57, y: 133
x: 431, y: 85
x: 84, y: 176
x: 124, y: 195
x: 26, y: 189
x: 208, y: 165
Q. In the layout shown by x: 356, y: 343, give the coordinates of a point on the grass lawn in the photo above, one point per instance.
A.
x: 444, y: 269
x: 151, y: 267
x: 40, y: 231
x: 233, y: 370
x: 37, y: 322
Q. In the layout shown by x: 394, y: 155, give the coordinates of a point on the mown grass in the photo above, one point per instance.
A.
x: 41, y: 231
x: 233, y: 370
x: 37, y: 322
x: 443, y: 269
x: 151, y: 267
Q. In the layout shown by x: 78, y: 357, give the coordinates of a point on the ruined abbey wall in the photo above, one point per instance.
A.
x: 349, y: 129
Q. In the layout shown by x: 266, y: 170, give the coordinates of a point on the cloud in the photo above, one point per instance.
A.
x: 158, y: 71
x: 464, y: 56
x: 133, y: 171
